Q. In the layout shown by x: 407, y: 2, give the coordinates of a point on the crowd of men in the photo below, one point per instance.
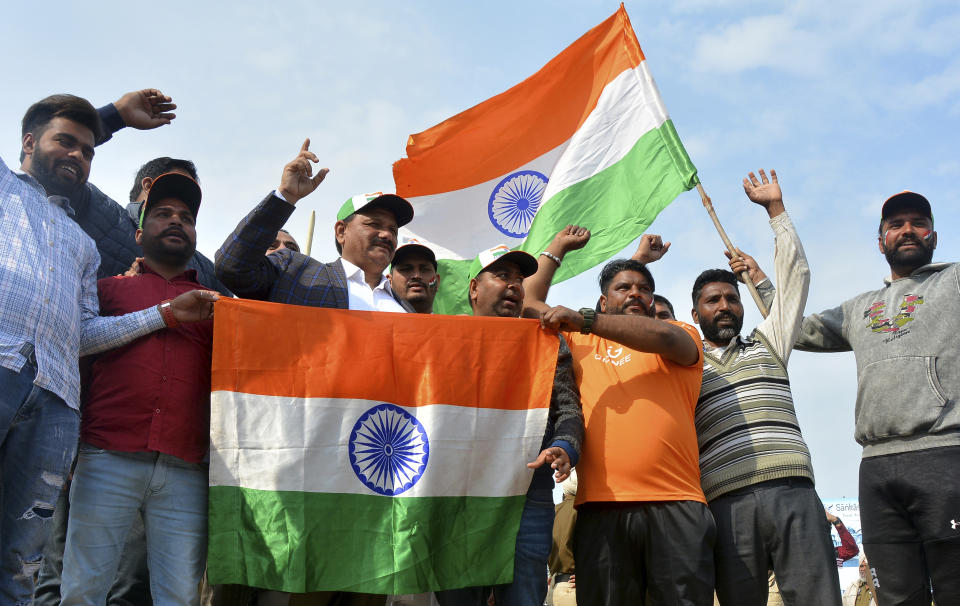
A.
x: 693, y: 478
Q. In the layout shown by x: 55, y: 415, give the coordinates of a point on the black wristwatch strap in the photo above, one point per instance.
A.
x: 589, y: 316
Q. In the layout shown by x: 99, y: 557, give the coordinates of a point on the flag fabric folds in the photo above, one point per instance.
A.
x: 371, y: 452
x: 586, y: 140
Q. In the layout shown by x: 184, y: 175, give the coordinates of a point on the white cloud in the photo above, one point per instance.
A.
x: 769, y: 41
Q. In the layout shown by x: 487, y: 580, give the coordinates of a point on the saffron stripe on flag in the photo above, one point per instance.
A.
x: 365, y: 363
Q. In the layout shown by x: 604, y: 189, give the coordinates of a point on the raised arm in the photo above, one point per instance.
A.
x: 782, y: 325
x: 572, y: 237
x: 141, y: 109
x: 242, y: 263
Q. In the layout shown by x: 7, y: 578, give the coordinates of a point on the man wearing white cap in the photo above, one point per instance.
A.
x: 907, y: 417
x: 496, y: 290
x: 366, y: 238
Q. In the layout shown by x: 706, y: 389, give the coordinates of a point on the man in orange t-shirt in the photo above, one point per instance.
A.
x: 643, y: 528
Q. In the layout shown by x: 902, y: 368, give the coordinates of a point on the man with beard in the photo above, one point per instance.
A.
x: 145, y: 426
x: 907, y: 417
x: 496, y: 290
x: 365, y: 235
x: 644, y: 534
x: 49, y: 315
x: 413, y: 276
x: 755, y: 468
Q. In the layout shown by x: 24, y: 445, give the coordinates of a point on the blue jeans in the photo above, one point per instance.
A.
x: 109, y: 488
x: 534, y: 539
x: 38, y: 438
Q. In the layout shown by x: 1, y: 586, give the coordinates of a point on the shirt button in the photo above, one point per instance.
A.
x: 157, y: 411
x: 51, y: 268
x: 46, y: 300
x: 164, y: 378
x: 51, y: 242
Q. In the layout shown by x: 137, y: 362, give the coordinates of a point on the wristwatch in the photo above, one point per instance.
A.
x: 166, y: 311
x: 589, y: 316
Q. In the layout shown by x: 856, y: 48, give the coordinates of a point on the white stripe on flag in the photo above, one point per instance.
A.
x: 629, y: 107
x: 302, y: 444
x: 459, y: 218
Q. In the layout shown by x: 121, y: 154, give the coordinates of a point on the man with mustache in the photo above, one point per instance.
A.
x: 145, y: 426
x: 413, y: 276
x: 907, y: 413
x: 643, y: 529
x: 49, y: 316
x: 366, y: 238
x: 496, y: 290
x: 755, y: 467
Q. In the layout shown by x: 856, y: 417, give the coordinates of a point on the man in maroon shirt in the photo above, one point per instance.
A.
x: 145, y: 425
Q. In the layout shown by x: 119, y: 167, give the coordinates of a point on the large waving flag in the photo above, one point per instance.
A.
x: 352, y: 451
x: 586, y: 140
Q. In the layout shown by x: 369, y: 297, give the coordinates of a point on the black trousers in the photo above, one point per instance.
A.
x: 656, y: 553
x: 779, y: 525
x: 910, y: 511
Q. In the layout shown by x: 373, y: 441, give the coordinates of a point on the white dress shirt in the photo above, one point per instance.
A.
x: 364, y: 298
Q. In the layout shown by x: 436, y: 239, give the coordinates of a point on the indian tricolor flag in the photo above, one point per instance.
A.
x: 371, y: 452
x: 586, y: 140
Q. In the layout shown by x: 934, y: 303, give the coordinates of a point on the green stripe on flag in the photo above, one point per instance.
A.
x: 617, y: 204
x: 300, y: 542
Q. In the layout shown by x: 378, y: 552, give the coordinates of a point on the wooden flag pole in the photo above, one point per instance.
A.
x: 313, y: 220
x: 733, y: 251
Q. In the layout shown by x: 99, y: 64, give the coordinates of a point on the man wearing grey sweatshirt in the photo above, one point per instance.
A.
x: 904, y: 336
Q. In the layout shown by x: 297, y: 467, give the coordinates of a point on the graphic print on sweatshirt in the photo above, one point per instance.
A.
x: 879, y: 322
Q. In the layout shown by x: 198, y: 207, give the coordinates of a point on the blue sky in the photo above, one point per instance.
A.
x: 849, y: 101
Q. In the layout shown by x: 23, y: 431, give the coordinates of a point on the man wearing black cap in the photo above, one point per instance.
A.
x: 145, y: 425
x: 413, y: 276
x: 366, y: 238
x: 907, y: 417
x: 496, y: 289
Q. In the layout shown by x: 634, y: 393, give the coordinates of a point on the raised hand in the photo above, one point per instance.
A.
x: 651, y: 248
x: 145, y: 109
x: 571, y: 237
x: 765, y: 192
x: 745, y: 263
x: 298, y: 180
x: 194, y: 306
x: 557, y: 458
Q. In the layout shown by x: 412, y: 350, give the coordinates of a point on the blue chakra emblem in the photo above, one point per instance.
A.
x: 515, y: 201
x: 388, y: 449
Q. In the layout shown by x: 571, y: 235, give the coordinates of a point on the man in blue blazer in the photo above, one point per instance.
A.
x: 366, y: 237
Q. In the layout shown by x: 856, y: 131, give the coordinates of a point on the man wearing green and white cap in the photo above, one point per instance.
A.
x: 496, y: 289
x: 366, y: 238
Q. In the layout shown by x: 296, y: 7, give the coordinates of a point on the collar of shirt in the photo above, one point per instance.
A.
x: 363, y: 297
x: 189, y: 275
x: 719, y: 351
x: 61, y: 201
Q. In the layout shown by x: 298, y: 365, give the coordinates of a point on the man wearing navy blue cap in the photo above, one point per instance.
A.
x: 413, y: 276
x: 907, y: 417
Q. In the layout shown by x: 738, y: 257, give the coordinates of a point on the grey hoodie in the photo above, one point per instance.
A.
x: 904, y: 337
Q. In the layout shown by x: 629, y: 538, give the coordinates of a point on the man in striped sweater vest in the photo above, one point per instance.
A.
x: 754, y: 465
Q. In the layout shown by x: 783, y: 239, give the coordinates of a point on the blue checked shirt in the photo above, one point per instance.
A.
x: 48, y: 289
